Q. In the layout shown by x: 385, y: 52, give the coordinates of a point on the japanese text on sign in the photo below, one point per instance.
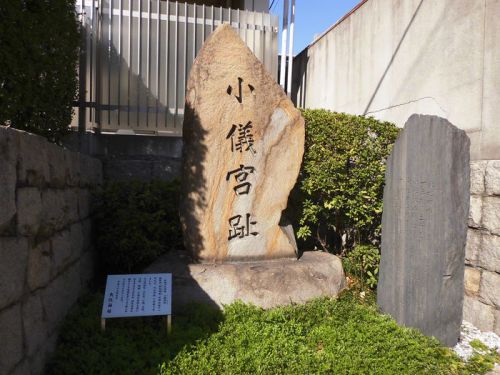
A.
x: 137, y: 295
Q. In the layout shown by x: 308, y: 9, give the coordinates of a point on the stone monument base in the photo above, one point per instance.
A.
x: 266, y: 283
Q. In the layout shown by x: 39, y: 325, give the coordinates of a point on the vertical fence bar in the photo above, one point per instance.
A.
x: 213, y: 18
x: 91, y: 82
x: 262, y: 33
x: 185, y: 45
x: 238, y: 20
x: 176, y: 46
x: 203, y: 21
x: 244, y: 26
x: 148, y: 63
x: 110, y: 24
x: 194, y: 31
x: 120, y: 39
x: 98, y: 57
x: 167, y: 55
x: 129, y: 59
x: 139, y: 55
x: 157, y: 60
x: 82, y: 71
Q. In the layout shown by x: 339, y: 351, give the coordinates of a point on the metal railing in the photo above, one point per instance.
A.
x: 136, y: 56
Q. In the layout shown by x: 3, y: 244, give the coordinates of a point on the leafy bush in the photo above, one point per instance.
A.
x: 342, y: 178
x: 324, y: 336
x: 136, y: 222
x: 363, y: 262
x: 38, y: 60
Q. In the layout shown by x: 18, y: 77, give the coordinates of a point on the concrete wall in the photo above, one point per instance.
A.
x: 46, y: 256
x: 482, y: 257
x: 392, y: 58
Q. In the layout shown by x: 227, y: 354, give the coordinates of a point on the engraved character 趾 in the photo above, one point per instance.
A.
x: 239, y: 229
x: 241, y: 175
x: 239, y: 97
x: 245, y: 139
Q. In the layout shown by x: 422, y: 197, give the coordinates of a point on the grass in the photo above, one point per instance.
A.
x: 325, y: 336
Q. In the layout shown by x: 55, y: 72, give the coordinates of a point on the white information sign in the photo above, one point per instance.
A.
x: 137, y: 295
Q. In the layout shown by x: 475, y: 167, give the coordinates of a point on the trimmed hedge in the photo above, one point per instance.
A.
x: 342, y: 178
x: 39, y: 42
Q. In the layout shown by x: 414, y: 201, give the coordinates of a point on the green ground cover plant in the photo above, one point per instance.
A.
x: 325, y: 336
x: 136, y: 222
x: 38, y: 58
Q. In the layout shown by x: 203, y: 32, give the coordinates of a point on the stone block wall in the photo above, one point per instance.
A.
x: 482, y: 254
x: 46, y: 257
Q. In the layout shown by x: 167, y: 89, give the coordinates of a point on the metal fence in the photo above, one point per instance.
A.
x: 136, y: 56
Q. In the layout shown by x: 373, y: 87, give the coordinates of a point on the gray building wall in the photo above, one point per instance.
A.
x: 392, y: 58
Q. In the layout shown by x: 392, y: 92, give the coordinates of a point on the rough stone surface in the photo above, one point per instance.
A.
x: 71, y: 206
x: 60, y: 295
x: 84, y: 203
x: 39, y: 266
x: 35, y: 328
x: 77, y: 240
x: 491, y: 214
x: 22, y: 368
x: 87, y: 264
x: 29, y: 211
x: 489, y: 256
x: 475, y: 211
x: 243, y: 146
x: 490, y: 288
x: 474, y: 238
x: 477, y: 170
x: 45, y: 244
x: 9, y: 143
x: 62, y: 252
x: 496, y: 327
x: 74, y: 173
x: 33, y: 168
x: 472, y: 279
x: 13, y: 261
x: 39, y: 359
x: 479, y: 314
x: 265, y: 283
x: 55, y: 210
x: 424, y: 228
x: 58, y: 168
x: 11, y: 339
x: 493, y: 177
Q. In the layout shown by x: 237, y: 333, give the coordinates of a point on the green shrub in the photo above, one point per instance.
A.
x: 324, y: 336
x: 39, y: 42
x: 342, y: 178
x: 136, y: 222
x: 363, y: 262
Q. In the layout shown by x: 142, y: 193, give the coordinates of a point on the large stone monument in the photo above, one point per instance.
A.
x: 424, y: 227
x: 243, y: 146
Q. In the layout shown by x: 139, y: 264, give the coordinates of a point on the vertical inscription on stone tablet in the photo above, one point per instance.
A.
x: 243, y: 142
